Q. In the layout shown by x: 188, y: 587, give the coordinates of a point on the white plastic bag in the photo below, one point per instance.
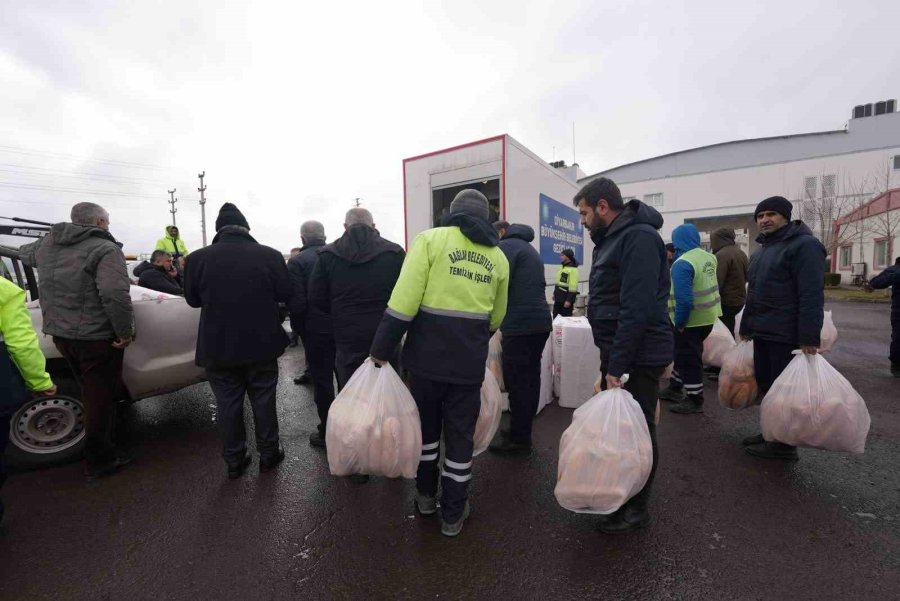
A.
x: 829, y: 335
x: 719, y: 342
x: 737, y: 380
x: 812, y: 405
x: 495, y: 358
x: 737, y: 324
x: 374, y: 426
x: 605, y: 456
x: 489, y: 415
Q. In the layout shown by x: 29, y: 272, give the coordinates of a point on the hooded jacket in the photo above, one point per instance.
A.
x: 732, y: 269
x: 352, y: 282
x: 172, y: 245
x: 300, y: 268
x: 889, y: 277
x: 526, y: 309
x: 686, y: 238
x: 629, y: 292
x: 83, y: 283
x: 450, y: 296
x: 19, y: 341
x: 238, y: 284
x: 154, y: 278
x: 786, y: 288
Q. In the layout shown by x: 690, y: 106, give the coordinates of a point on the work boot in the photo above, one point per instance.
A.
x: 96, y: 471
x: 506, y: 446
x: 359, y: 478
x: 426, y: 505
x: 627, y: 519
x: 270, y: 461
x: 895, y: 370
x: 303, y: 378
x: 751, y: 440
x: 692, y: 403
x: 317, y: 439
x: 236, y: 468
x: 774, y: 450
x: 455, y: 528
x: 672, y: 394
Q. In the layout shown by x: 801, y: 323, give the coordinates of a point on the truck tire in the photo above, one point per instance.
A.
x: 47, y: 431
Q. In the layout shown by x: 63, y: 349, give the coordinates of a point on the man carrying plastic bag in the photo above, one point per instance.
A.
x: 627, y: 310
x: 451, y: 295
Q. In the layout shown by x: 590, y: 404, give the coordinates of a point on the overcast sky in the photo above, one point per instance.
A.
x: 295, y: 111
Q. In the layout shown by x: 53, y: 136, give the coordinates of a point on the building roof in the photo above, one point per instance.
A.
x: 884, y: 202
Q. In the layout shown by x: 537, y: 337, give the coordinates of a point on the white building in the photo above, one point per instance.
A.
x: 867, y: 239
x: 520, y: 186
x: 826, y: 175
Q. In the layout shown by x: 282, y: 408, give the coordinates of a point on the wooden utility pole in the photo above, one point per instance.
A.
x: 202, y: 189
x: 172, y: 201
x: 357, y: 202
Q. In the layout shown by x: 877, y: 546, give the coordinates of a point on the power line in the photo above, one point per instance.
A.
x: 64, y: 173
x: 75, y: 191
x: 67, y: 156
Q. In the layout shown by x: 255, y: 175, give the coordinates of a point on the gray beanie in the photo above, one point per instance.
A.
x: 470, y: 202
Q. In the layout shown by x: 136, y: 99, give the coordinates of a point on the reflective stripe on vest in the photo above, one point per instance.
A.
x: 707, y: 304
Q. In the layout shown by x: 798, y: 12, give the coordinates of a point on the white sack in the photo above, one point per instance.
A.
x: 719, y: 342
x: 737, y: 380
x: 489, y: 414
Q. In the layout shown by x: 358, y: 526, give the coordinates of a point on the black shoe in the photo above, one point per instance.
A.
x: 895, y: 370
x: 505, y: 446
x: 672, y: 395
x: 317, y: 439
x: 687, y: 406
x: 95, y: 472
x: 774, y: 450
x: 627, y: 519
x: 270, y: 461
x: 303, y: 379
x: 359, y: 478
x: 236, y: 469
x: 755, y: 439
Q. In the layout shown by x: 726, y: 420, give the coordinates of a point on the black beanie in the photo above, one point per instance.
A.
x: 230, y: 215
x: 779, y: 204
x: 571, y: 254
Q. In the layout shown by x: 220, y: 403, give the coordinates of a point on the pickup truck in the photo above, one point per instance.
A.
x: 47, y: 431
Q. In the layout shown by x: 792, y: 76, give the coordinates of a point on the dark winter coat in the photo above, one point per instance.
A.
x: 300, y: 268
x: 889, y: 277
x: 83, y: 282
x: 526, y: 308
x: 629, y: 292
x: 352, y: 282
x: 732, y: 268
x: 238, y: 283
x: 155, y: 278
x: 786, y: 292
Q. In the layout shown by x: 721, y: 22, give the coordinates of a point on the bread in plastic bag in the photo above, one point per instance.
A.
x: 495, y: 359
x: 605, y: 455
x: 829, y: 336
x: 719, y: 342
x: 373, y: 426
x: 812, y: 405
x: 489, y: 415
x: 737, y: 380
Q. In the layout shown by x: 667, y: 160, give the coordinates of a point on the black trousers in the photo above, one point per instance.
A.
x: 769, y: 360
x: 320, y: 355
x: 559, y: 309
x: 643, y: 384
x: 348, y: 359
x: 451, y: 409
x: 895, y: 340
x: 522, y: 374
x: 98, y: 368
x: 258, y: 381
x: 688, y: 372
x: 728, y: 316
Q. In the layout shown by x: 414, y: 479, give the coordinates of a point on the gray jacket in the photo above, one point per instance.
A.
x: 83, y: 283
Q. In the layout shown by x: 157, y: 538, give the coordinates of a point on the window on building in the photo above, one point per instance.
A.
x: 653, y: 200
x: 882, y: 253
x: 897, y: 163
x: 845, y: 257
x: 829, y: 184
x: 810, y: 187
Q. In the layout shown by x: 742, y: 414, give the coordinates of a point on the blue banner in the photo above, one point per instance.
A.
x: 560, y: 229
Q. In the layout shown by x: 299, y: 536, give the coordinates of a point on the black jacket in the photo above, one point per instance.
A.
x: 352, y: 282
x: 526, y: 309
x: 786, y: 288
x: 155, y: 278
x: 889, y: 277
x: 300, y: 268
x: 238, y: 283
x: 629, y: 292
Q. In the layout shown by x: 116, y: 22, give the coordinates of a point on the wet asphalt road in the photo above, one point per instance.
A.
x: 727, y: 526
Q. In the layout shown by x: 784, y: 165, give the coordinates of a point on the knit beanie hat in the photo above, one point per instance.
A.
x: 470, y: 202
x: 230, y: 215
x: 779, y: 204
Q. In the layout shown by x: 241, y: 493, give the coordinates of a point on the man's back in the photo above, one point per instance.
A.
x: 732, y: 268
x: 526, y: 310
x: 300, y: 269
x: 238, y: 283
x: 83, y: 283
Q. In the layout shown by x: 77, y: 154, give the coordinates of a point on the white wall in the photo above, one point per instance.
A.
x: 870, y: 229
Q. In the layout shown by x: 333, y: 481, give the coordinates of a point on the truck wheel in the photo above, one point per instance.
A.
x: 46, y: 431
